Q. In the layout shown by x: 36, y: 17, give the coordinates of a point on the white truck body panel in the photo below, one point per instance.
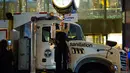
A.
x: 92, y: 52
x: 23, y: 60
x: 26, y: 17
x: 3, y: 23
x: 21, y: 19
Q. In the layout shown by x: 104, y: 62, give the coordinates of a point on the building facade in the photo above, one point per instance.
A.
x: 98, y: 18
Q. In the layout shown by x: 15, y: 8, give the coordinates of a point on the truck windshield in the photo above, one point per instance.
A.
x: 74, y: 33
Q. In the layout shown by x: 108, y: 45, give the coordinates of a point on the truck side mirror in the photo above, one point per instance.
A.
x: 111, y: 43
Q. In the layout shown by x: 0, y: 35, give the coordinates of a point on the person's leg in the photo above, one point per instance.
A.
x: 65, y: 59
x: 129, y: 64
x: 58, y: 59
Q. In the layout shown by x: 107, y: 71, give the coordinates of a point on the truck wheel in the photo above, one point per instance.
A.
x: 94, y: 71
x: 94, y: 68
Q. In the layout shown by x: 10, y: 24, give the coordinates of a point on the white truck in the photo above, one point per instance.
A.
x: 85, y: 57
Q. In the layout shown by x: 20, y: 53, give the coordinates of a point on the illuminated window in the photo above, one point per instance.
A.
x: 114, y: 9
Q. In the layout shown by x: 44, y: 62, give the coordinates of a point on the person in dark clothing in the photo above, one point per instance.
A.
x: 6, y: 58
x: 61, y: 52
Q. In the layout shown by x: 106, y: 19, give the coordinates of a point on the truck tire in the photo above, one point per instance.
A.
x: 94, y: 71
x: 94, y: 68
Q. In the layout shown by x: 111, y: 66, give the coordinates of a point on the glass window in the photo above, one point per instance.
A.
x: 75, y: 33
x: 10, y: 6
x: 31, y: 0
x: 94, y: 9
x: 45, y: 34
x: 32, y: 6
x: 91, y: 9
x: 114, y: 9
x: 1, y: 10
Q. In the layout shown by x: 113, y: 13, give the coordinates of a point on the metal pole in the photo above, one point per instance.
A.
x: 20, y: 6
x: 44, y: 6
x: 4, y: 9
x: 26, y: 6
x: 123, y: 24
x: 47, y: 5
x: 33, y: 21
x: 105, y: 16
x: 105, y: 11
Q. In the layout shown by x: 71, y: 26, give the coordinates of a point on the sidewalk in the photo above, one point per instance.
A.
x: 125, y: 72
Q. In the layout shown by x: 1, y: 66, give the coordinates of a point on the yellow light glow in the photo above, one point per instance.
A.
x: 115, y: 37
x: 107, y: 3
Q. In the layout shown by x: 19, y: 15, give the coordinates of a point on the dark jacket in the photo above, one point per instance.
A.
x: 6, y: 59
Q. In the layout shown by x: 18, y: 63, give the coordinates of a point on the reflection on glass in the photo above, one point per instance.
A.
x: 114, y: 11
x: 10, y: 6
x: 94, y: 9
x: 24, y: 5
x: 51, y: 8
x: 1, y: 11
x: 32, y: 6
x: 91, y: 9
x: 88, y: 9
x: 40, y: 5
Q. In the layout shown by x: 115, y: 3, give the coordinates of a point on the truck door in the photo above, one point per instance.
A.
x: 45, y: 51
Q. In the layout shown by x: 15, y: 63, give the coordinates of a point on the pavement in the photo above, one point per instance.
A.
x: 125, y: 72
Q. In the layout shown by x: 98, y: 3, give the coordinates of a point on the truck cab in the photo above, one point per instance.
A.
x: 83, y: 54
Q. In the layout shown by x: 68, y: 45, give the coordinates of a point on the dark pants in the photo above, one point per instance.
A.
x: 129, y: 64
x: 61, y: 58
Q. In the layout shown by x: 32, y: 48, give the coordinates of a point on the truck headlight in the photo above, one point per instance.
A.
x: 115, y: 67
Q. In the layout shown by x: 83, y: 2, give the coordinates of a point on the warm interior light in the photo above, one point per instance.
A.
x: 115, y: 37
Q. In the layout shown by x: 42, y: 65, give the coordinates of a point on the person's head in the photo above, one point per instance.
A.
x: 3, y: 44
